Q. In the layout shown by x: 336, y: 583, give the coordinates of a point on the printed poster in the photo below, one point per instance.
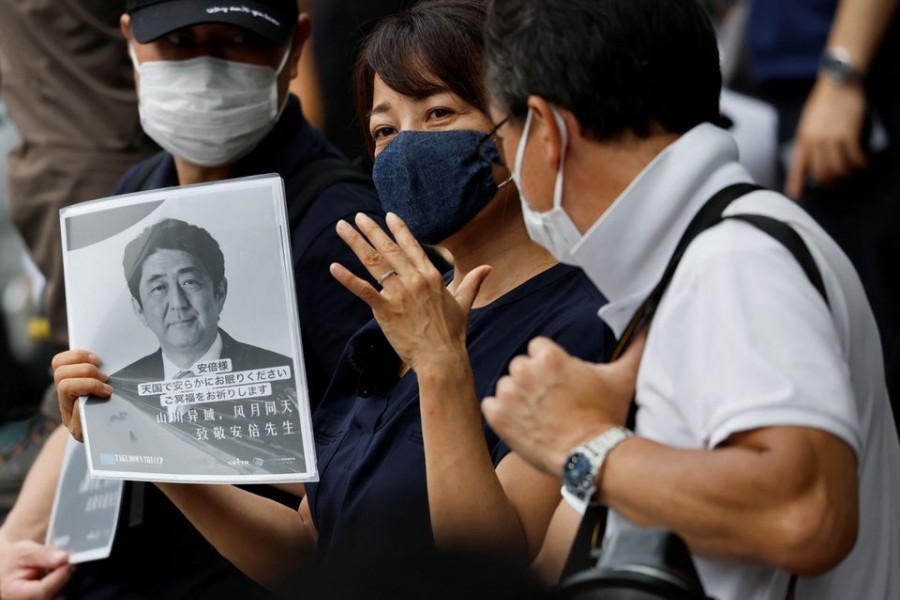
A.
x: 187, y: 296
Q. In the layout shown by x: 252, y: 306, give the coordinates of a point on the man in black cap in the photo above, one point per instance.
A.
x: 212, y: 79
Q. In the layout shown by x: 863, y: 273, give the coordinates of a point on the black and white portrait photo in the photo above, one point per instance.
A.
x: 186, y: 295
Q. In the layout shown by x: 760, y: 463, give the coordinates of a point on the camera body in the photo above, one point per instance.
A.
x: 637, y: 564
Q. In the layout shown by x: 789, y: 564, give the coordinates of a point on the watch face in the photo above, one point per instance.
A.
x: 578, y: 476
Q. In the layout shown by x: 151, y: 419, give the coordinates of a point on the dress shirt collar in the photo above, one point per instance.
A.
x: 170, y: 369
x: 625, y: 252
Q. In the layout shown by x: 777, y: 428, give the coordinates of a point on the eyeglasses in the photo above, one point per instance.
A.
x: 491, y: 154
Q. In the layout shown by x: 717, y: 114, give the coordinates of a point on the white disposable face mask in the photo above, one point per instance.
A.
x: 208, y: 111
x: 554, y: 229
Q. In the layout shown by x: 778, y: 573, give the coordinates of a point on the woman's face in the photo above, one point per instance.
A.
x: 393, y: 112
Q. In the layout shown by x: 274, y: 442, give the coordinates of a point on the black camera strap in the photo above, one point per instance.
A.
x: 593, y: 524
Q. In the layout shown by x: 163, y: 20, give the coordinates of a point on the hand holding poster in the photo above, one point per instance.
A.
x: 187, y: 296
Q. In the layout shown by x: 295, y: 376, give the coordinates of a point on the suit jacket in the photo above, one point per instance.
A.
x: 243, y: 357
x: 243, y: 432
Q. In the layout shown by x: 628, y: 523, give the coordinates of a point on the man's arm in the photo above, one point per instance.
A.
x: 785, y: 496
x: 828, y: 145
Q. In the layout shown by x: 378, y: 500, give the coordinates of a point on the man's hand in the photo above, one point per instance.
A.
x: 551, y: 402
x: 31, y: 571
x: 827, y: 143
x: 77, y: 373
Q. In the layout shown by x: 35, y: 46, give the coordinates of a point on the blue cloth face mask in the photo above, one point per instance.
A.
x: 435, y: 181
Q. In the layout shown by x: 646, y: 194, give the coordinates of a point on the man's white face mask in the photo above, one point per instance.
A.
x: 554, y: 229
x: 208, y: 111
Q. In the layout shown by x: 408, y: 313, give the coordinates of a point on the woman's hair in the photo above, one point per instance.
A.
x: 433, y: 47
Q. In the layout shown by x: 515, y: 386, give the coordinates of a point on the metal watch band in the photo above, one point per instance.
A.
x: 838, y: 65
x: 606, y: 441
x: 596, y: 451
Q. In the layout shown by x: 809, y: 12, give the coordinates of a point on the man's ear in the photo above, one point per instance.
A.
x: 138, y: 310
x: 547, y: 130
x: 125, y: 25
x: 221, y: 292
x: 301, y: 34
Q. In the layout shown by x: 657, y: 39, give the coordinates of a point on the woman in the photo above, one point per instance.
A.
x: 405, y: 460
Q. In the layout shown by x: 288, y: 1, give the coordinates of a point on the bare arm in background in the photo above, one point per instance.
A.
x: 828, y: 147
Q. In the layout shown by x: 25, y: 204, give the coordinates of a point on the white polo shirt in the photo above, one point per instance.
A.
x: 742, y: 340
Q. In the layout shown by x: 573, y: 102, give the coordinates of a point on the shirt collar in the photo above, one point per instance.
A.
x: 625, y: 252
x: 170, y: 369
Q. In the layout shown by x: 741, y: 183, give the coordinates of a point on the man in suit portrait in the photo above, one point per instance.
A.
x: 176, y: 276
x: 202, y: 395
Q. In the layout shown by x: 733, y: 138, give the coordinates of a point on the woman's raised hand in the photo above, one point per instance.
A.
x: 422, y: 319
x: 77, y: 373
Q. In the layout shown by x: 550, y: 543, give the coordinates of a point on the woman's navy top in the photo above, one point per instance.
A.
x: 371, y: 500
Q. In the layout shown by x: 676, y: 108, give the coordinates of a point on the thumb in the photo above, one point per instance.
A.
x: 467, y: 291
x: 44, y: 557
x: 630, y: 360
x: 75, y: 422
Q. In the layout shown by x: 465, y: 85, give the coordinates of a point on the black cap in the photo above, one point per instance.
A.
x: 274, y: 20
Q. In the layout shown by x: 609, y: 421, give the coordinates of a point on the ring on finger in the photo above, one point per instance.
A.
x: 385, y: 277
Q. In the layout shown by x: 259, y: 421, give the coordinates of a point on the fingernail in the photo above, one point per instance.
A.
x: 342, y: 225
x: 93, y: 358
x: 58, y: 556
x: 108, y: 388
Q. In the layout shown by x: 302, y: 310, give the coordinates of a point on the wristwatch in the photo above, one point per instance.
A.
x: 839, y: 67
x: 584, y: 462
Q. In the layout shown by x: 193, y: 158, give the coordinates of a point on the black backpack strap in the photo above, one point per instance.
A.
x: 588, y: 539
x: 143, y: 172
x: 304, y: 185
x: 709, y: 215
x: 790, y: 239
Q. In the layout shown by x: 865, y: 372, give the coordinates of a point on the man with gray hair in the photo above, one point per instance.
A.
x: 763, y: 431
